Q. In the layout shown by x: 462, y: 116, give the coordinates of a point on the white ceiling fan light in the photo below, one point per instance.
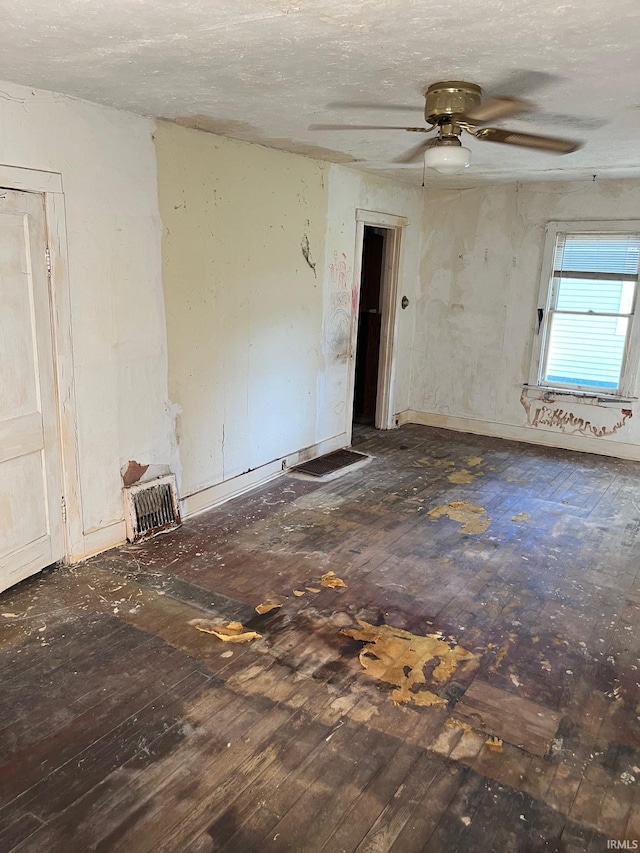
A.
x: 447, y: 159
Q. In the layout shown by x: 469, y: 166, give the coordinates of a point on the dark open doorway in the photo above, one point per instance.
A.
x: 374, y: 248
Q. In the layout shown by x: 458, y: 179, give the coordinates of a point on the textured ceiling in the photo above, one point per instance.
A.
x: 264, y: 70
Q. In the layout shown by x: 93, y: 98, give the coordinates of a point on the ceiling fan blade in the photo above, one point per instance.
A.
x: 415, y: 153
x: 369, y: 105
x: 528, y: 140
x: 495, y: 108
x: 367, y: 127
x: 559, y: 119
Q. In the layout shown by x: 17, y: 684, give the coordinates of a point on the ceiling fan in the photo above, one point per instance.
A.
x: 455, y: 106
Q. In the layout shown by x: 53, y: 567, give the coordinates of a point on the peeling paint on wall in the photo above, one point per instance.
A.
x: 541, y: 413
x: 133, y: 472
x: 468, y: 368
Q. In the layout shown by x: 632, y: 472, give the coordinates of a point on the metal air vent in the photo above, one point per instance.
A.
x: 151, y: 508
x: 331, y: 462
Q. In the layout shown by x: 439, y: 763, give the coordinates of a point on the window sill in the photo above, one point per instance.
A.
x: 550, y: 394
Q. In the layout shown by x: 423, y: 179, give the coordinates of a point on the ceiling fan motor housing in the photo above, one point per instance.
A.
x: 453, y: 98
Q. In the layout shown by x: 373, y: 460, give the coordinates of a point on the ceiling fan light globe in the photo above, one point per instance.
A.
x: 447, y: 159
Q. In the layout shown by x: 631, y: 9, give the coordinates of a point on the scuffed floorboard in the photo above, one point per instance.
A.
x: 123, y: 727
x: 505, y: 716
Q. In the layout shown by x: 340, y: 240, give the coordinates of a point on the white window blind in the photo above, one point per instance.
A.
x: 593, y: 291
x: 606, y: 253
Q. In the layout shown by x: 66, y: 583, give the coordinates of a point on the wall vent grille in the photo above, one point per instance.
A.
x: 151, y: 508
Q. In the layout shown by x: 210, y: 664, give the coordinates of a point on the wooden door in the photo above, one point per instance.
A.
x: 31, y: 525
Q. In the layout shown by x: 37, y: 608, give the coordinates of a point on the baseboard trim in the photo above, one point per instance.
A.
x: 115, y: 534
x: 529, y: 435
x: 112, y: 535
x: 97, y: 541
x: 401, y: 418
x: 219, y: 493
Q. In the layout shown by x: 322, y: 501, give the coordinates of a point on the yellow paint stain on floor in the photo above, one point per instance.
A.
x: 231, y: 632
x: 464, y: 476
x: 521, y: 517
x: 330, y: 581
x: 455, y: 723
x: 472, y: 517
x: 399, y: 657
x: 494, y: 744
x: 267, y: 606
x: 428, y: 462
x: 474, y: 461
x: 502, y: 651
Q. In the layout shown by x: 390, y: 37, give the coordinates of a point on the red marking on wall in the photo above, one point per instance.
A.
x: 541, y: 414
x: 340, y: 272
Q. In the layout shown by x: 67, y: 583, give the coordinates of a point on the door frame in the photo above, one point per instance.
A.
x: 391, y: 275
x: 49, y: 186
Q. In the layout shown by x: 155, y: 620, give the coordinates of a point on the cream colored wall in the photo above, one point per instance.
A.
x: 258, y: 365
x: 244, y: 308
x: 252, y: 376
x: 480, y: 276
x: 106, y: 159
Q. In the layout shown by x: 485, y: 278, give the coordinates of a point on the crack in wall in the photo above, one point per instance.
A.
x: 306, y: 254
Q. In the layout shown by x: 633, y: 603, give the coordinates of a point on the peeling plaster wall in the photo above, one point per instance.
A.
x: 258, y: 253
x: 107, y: 162
x: 480, y: 275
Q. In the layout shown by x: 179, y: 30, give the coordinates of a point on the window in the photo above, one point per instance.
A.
x: 586, y: 336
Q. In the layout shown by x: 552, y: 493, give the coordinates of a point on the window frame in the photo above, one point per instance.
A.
x: 629, y: 370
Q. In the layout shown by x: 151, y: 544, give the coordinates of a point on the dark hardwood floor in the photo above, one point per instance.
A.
x: 123, y: 728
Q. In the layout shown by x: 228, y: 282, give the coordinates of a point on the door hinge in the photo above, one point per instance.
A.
x: 47, y: 258
x: 63, y: 504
